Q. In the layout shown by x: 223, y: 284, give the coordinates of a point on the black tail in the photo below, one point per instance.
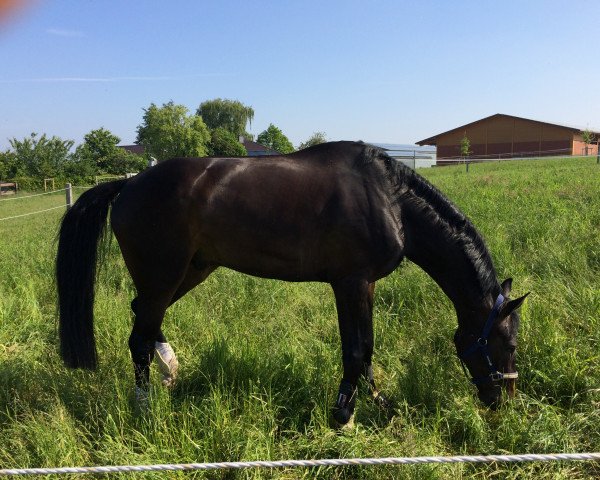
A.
x: 81, y: 231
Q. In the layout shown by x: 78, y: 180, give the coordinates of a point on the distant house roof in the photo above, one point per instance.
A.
x: 433, y: 140
x: 255, y: 149
x: 137, y: 149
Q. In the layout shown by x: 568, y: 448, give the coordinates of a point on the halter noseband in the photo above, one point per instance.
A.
x: 482, y: 344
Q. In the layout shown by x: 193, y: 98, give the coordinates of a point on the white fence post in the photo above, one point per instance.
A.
x: 69, y: 194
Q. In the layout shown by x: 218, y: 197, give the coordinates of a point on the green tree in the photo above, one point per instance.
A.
x: 224, y: 143
x: 97, y: 146
x: 79, y: 171
x: 315, y: 139
x: 9, y: 167
x: 41, y: 157
x: 169, y: 131
x: 232, y: 115
x: 465, y: 146
x: 588, y: 138
x: 120, y: 162
x: 274, y: 138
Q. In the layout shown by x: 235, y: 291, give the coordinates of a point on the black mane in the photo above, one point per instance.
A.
x: 433, y: 206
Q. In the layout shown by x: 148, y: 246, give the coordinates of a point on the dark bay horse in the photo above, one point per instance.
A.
x: 344, y: 213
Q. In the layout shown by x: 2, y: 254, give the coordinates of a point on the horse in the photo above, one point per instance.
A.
x: 344, y: 213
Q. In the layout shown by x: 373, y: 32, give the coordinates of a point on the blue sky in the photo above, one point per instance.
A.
x: 379, y: 71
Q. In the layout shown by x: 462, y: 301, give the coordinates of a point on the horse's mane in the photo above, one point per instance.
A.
x: 408, y: 187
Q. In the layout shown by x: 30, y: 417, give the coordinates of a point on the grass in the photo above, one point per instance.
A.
x: 260, y: 360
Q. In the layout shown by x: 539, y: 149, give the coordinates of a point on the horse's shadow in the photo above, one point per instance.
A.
x: 299, y: 395
x: 293, y: 391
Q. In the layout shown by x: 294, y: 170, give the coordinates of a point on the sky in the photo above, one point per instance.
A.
x: 373, y: 70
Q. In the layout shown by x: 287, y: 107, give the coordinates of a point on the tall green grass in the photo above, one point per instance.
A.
x: 261, y: 363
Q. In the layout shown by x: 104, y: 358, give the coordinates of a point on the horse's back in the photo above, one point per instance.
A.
x: 306, y: 216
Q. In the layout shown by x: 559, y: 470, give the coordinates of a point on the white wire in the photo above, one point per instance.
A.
x: 32, y: 213
x: 305, y: 463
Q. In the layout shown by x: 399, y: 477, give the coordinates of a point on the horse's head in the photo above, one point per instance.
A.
x: 486, y: 343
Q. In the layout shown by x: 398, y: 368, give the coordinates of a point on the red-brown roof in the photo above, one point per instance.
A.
x: 137, y: 149
x: 432, y: 140
x: 256, y: 148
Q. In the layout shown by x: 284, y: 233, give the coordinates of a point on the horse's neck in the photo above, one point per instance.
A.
x: 456, y: 259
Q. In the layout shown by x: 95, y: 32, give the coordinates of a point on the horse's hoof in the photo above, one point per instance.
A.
x: 342, y: 419
x: 168, y: 381
x: 381, y: 401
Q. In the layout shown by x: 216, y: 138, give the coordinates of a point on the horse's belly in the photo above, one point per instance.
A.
x: 300, y: 258
x: 284, y: 261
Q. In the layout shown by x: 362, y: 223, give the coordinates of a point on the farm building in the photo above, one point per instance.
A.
x: 255, y: 149
x: 137, y: 149
x: 507, y: 136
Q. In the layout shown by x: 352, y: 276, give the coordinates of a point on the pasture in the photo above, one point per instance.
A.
x: 255, y: 385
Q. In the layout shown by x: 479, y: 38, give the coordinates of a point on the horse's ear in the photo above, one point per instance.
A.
x: 511, y: 306
x: 506, y: 287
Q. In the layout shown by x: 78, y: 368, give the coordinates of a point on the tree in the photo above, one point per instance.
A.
x: 9, y: 167
x: 225, y: 144
x: 41, y: 157
x: 465, y: 146
x: 232, y: 115
x: 169, y: 131
x: 274, y: 139
x: 120, y: 162
x: 98, y: 145
x: 315, y: 139
x: 588, y: 137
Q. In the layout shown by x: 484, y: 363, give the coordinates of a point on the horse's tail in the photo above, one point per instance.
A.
x: 80, y: 233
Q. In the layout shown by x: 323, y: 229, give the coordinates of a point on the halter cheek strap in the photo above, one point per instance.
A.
x: 481, y: 344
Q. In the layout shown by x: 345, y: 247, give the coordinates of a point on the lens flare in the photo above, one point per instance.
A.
x: 9, y: 8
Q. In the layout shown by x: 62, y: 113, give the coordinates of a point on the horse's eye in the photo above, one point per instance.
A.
x: 511, y: 349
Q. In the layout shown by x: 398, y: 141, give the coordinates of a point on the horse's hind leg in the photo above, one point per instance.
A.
x: 165, y: 356
x: 163, y: 352
x: 150, y: 311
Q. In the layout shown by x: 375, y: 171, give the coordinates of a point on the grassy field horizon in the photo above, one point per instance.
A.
x: 261, y: 362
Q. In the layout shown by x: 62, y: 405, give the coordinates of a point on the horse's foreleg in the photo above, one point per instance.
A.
x: 366, y: 328
x: 354, y: 306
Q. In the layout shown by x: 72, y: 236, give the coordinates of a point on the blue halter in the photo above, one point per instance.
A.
x: 482, y: 344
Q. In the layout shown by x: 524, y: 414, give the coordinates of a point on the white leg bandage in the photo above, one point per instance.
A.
x: 167, y: 362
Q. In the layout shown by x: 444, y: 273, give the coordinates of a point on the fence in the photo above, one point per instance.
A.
x: 328, y: 462
x: 68, y: 201
x: 504, y: 157
x: 413, y: 158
